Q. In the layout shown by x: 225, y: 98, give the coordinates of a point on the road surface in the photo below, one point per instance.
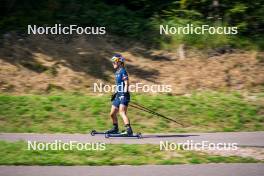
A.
x: 150, y: 170
x: 253, y: 139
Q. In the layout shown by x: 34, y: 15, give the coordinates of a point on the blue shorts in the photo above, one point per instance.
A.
x: 121, y: 99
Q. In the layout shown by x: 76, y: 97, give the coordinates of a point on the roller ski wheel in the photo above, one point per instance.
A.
x: 93, y: 132
x: 137, y: 135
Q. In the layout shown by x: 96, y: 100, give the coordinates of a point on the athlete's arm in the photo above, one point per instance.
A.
x: 125, y: 79
x: 126, y: 86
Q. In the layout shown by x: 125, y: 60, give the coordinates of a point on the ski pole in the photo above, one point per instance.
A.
x: 140, y: 107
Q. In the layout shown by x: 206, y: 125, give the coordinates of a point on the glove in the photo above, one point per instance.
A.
x: 113, y: 97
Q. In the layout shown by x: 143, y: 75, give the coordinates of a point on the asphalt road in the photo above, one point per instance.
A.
x: 241, y: 138
x: 150, y: 170
x: 255, y: 139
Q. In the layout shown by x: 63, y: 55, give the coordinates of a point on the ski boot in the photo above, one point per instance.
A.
x: 114, y: 130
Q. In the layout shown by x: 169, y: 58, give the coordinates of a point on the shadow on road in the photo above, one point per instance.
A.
x: 167, y: 136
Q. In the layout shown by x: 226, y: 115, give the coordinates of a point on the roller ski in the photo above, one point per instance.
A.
x: 137, y: 135
x: 114, y: 130
x: 127, y: 133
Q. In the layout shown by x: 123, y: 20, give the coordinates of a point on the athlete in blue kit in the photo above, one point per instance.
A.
x: 121, y: 97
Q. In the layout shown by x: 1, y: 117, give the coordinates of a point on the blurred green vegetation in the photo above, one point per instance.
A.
x: 77, y: 113
x: 16, y: 153
x: 140, y: 19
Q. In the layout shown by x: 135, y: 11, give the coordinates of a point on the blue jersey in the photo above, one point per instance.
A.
x: 120, y: 77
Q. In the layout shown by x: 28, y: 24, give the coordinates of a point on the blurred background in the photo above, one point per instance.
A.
x: 140, y: 19
x: 46, y: 81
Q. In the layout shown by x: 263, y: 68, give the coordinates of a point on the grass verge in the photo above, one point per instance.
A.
x: 73, y: 113
x: 122, y: 154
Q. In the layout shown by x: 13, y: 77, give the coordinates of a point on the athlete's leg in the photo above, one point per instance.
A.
x: 123, y: 113
x: 113, y: 114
